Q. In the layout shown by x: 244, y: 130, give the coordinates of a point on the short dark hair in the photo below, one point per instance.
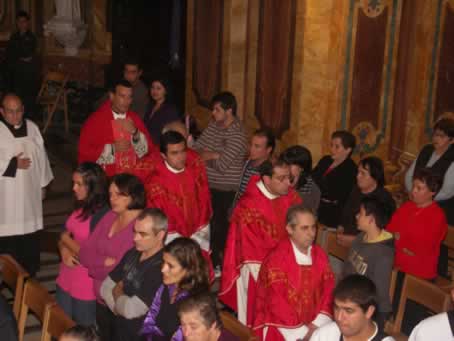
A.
x: 133, y: 61
x: 348, y: 140
x: 376, y: 170
x: 188, y: 254
x: 293, y: 212
x: 95, y: 180
x: 205, y: 304
x: 22, y: 14
x: 270, y: 138
x: 446, y: 125
x: 130, y: 185
x: 376, y: 208
x: 227, y: 101
x: 165, y: 82
x: 298, y: 155
x: 82, y: 333
x: 170, y: 137
x: 357, y: 288
x: 432, y: 180
x: 120, y: 82
x: 160, y: 220
x: 267, y: 167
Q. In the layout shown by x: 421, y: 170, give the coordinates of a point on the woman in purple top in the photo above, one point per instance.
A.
x: 184, y: 273
x: 113, y: 236
x: 74, y: 286
x: 161, y: 111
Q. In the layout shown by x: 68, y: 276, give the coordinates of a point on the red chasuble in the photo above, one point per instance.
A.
x: 289, y: 295
x: 256, y: 226
x: 184, y: 197
x: 98, y: 131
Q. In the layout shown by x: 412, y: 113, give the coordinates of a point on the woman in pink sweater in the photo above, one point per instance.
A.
x: 75, y: 292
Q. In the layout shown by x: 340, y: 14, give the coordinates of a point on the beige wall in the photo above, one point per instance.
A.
x: 319, y: 60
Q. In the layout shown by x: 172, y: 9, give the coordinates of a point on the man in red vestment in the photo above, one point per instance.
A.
x: 115, y: 137
x: 295, y: 284
x: 257, y: 225
x: 178, y: 186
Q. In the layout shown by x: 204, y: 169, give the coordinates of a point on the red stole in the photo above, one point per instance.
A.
x: 256, y: 227
x: 184, y: 197
x: 289, y: 295
x: 97, y: 131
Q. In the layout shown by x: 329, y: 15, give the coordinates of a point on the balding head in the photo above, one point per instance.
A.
x: 12, y: 109
x: 177, y: 126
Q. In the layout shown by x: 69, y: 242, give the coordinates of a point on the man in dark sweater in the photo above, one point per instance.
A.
x: 130, y: 288
x: 372, y: 253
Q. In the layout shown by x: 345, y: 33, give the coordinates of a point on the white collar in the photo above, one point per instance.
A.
x: 173, y: 170
x: 301, y: 258
x: 118, y: 116
x: 265, y: 191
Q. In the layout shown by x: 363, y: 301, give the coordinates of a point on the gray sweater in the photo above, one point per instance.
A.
x: 375, y: 261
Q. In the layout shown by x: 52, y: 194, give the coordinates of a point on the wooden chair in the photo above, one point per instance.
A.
x: 14, y: 275
x: 52, y: 94
x: 236, y: 327
x: 333, y: 248
x: 37, y: 299
x: 422, y: 292
x: 55, y: 323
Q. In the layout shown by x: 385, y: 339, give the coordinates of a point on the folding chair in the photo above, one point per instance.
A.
x: 236, y: 327
x: 55, y: 323
x: 14, y: 275
x: 422, y: 292
x: 37, y: 299
x: 52, y: 94
x: 333, y: 248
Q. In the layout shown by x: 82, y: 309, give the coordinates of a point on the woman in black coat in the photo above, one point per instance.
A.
x: 335, y: 175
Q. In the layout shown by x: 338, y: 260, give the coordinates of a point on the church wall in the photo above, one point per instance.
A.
x: 308, y: 67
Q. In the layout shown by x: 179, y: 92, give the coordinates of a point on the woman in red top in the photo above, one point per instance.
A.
x: 419, y: 227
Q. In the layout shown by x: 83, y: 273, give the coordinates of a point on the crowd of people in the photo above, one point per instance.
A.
x: 161, y: 213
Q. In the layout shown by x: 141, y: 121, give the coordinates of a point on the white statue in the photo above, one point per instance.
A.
x: 67, y: 26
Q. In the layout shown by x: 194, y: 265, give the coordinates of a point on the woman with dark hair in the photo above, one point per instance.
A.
x: 419, y: 227
x: 113, y: 236
x: 335, y: 176
x: 184, y: 273
x: 370, y: 183
x: 161, y: 111
x: 74, y: 286
x: 299, y: 159
x: 439, y: 156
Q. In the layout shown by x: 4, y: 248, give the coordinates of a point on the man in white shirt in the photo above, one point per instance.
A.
x: 24, y: 173
x: 355, y: 302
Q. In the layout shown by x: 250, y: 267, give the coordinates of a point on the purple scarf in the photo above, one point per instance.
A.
x: 149, y: 327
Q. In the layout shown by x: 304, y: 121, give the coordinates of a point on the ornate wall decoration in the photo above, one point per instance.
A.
x: 373, y: 8
x: 373, y: 27
x: 274, y: 64
x: 444, y: 100
x: 366, y: 137
x: 206, y: 68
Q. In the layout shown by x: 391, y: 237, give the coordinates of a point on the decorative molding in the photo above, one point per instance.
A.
x: 376, y: 8
x: 373, y: 8
x: 433, y: 69
x: 207, y: 58
x: 275, y: 65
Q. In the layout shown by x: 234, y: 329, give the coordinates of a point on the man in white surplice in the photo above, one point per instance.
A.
x: 24, y: 173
